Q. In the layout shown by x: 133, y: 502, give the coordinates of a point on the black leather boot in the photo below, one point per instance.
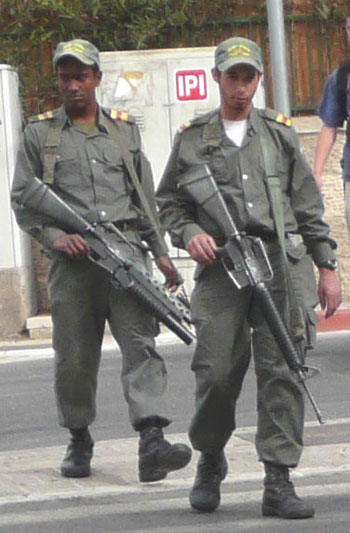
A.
x: 280, y: 498
x: 157, y: 457
x: 211, y: 471
x: 76, y: 462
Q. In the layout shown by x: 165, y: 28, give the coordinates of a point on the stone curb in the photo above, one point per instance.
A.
x: 338, y: 322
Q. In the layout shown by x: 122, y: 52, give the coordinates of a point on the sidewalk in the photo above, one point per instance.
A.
x: 34, y: 475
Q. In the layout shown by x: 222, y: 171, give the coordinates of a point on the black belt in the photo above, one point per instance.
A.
x: 126, y: 225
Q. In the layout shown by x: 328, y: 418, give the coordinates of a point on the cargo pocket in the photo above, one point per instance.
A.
x: 302, y: 272
x: 311, y: 322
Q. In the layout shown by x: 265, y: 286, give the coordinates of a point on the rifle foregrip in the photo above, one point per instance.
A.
x: 157, y: 309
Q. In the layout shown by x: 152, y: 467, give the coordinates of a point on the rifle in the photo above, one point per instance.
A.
x: 247, y: 264
x: 102, y: 239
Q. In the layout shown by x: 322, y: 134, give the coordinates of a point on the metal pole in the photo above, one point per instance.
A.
x: 278, y: 56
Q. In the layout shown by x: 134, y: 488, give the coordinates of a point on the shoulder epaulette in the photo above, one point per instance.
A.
x: 118, y: 114
x: 278, y: 117
x: 184, y: 126
x: 47, y: 115
x: 196, y: 121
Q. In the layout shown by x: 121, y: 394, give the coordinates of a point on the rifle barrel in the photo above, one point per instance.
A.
x: 312, y: 400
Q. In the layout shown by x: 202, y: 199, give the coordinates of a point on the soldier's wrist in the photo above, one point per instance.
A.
x: 330, y: 264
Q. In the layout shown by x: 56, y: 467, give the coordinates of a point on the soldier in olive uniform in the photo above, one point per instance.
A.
x: 229, y: 140
x: 75, y: 149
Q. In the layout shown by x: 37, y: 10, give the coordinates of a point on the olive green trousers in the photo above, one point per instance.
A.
x: 82, y: 300
x: 226, y: 319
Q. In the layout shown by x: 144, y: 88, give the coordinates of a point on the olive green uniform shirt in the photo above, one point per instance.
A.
x: 239, y: 173
x: 89, y: 175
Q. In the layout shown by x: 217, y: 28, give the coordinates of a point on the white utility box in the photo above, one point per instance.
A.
x: 16, y: 276
x: 163, y: 89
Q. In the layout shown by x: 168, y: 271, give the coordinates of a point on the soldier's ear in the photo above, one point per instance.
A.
x: 216, y: 74
x: 98, y: 77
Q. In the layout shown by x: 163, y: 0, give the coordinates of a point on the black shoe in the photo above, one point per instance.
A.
x: 157, y: 457
x: 76, y: 462
x: 211, y: 471
x: 280, y: 498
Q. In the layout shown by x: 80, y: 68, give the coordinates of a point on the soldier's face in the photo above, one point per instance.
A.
x: 237, y: 87
x: 77, y: 84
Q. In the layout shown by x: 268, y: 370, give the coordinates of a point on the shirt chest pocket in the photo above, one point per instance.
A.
x: 111, y: 159
x: 67, y: 165
x: 112, y: 171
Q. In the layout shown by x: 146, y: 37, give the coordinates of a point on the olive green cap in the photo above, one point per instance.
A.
x: 83, y: 51
x: 235, y: 51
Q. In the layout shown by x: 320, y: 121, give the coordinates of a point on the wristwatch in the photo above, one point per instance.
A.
x: 331, y: 264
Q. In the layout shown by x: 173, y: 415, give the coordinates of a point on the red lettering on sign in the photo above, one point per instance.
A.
x: 191, y: 85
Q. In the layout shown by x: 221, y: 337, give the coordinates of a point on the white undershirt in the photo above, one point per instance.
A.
x: 236, y: 130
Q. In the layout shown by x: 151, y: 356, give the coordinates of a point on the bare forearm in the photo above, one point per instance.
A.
x: 325, y: 142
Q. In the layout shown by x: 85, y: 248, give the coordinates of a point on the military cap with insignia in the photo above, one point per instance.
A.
x: 237, y: 51
x: 82, y: 50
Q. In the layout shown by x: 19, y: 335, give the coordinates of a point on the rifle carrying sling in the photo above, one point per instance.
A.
x: 50, y: 149
x: 273, y: 186
x: 129, y: 163
x: 52, y: 143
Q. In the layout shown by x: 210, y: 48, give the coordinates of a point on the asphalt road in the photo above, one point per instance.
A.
x: 28, y: 416
x: 28, y: 413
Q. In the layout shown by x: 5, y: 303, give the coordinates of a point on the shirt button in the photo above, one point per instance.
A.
x: 250, y: 205
x: 103, y: 213
x: 93, y: 161
x: 245, y: 176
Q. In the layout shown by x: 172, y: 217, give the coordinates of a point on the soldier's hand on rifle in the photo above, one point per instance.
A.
x: 73, y: 245
x: 173, y: 278
x: 202, y: 248
x: 329, y: 290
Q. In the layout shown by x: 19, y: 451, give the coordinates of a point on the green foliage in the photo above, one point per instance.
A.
x: 112, y: 23
x: 329, y: 10
x: 30, y: 30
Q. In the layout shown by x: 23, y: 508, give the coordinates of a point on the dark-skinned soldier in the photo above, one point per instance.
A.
x: 87, y: 170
